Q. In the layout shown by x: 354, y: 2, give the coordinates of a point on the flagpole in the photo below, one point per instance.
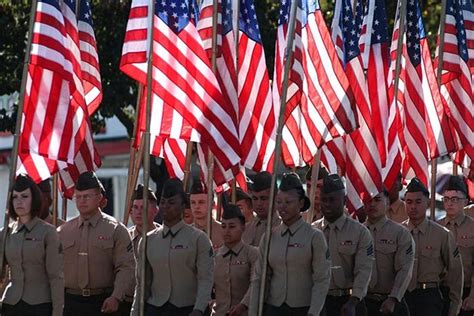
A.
x: 146, y: 154
x: 314, y: 182
x: 187, y: 165
x: 55, y: 198
x: 16, y: 136
x: 132, y: 155
x: 64, y: 208
x: 434, y: 162
x: 276, y: 163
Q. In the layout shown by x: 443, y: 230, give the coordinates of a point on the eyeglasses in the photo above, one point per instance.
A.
x: 453, y: 199
x: 86, y: 197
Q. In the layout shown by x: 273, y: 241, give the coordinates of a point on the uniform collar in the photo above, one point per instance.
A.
x: 456, y: 221
x: 174, y: 230
x: 93, y: 220
x: 275, y: 219
x: 135, y: 233
x: 378, y: 225
x: 234, y: 251
x: 339, y: 223
x: 28, y: 226
x: 422, y: 227
x: 204, y: 228
x: 293, y: 228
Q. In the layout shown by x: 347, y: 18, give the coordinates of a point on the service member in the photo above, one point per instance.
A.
x: 352, y: 252
x: 200, y: 209
x: 98, y: 254
x: 462, y: 228
x: 34, y: 257
x: 179, y: 260
x: 394, y: 257
x: 260, y: 192
x: 46, y: 202
x: 322, y: 172
x: 436, y: 253
x: 397, y: 212
x: 234, y: 266
x: 298, y: 261
x: 244, y: 201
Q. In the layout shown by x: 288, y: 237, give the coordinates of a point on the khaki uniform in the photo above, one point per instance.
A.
x: 298, y: 269
x: 469, y: 210
x: 232, y: 274
x: 108, y: 258
x: 35, y: 260
x: 255, y: 229
x: 49, y: 220
x: 394, y: 257
x: 352, y: 254
x: 462, y: 228
x: 180, y: 261
x: 136, y: 237
x: 397, y: 212
x: 436, y: 253
x: 216, y: 233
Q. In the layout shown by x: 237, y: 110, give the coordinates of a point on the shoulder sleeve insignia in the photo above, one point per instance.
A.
x: 130, y: 247
x: 456, y: 252
x: 370, y: 250
x: 211, y: 252
x: 409, y: 250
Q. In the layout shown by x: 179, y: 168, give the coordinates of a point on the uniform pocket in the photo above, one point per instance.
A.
x: 430, y: 252
x: 386, y: 249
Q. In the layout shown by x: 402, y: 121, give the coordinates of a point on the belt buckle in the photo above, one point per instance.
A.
x: 424, y: 286
x: 86, y: 292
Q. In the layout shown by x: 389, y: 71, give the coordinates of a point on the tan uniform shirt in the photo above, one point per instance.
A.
x: 436, y: 252
x: 49, y: 220
x: 255, y: 229
x: 469, y: 210
x: 298, y: 268
x: 232, y: 274
x: 397, y: 212
x: 109, y: 254
x: 394, y: 257
x: 217, y: 238
x: 352, y: 254
x: 180, y: 261
x: 35, y: 259
x: 462, y: 228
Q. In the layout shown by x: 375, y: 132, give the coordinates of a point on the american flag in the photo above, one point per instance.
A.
x: 425, y: 132
x: 56, y: 129
x: 319, y: 102
x: 363, y: 165
x: 183, y: 83
x: 457, y: 84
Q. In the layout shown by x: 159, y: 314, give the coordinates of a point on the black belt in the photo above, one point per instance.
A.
x: 88, y: 292
x: 339, y: 292
x: 427, y: 285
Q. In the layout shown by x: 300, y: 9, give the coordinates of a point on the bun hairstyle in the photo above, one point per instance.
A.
x: 292, y: 181
x: 22, y: 183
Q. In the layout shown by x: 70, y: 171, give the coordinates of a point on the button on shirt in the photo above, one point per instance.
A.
x: 110, y: 254
x: 298, y: 268
x: 232, y: 274
x: 462, y: 228
x: 355, y: 250
x: 255, y: 229
x: 394, y: 257
x: 436, y: 253
x: 35, y: 261
x: 180, y: 267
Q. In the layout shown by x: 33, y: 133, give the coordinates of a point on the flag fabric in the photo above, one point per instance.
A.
x: 56, y: 126
x: 362, y: 160
x: 457, y: 82
x: 424, y: 129
x: 319, y: 101
x: 184, y: 85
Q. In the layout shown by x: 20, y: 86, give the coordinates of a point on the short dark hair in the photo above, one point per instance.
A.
x: 27, y: 183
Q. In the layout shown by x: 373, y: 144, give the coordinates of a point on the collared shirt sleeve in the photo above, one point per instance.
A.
x: 404, y: 260
x: 205, y: 272
x: 55, y: 270
x: 253, y: 259
x: 363, y: 264
x: 124, y: 262
x: 321, y: 272
x: 455, y: 279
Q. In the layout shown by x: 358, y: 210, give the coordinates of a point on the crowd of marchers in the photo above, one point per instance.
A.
x: 391, y: 260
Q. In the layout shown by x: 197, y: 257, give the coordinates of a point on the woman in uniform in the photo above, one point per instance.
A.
x: 34, y: 257
x: 298, y: 261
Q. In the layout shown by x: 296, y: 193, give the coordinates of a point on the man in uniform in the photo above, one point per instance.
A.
x: 462, y: 228
x: 396, y: 212
x: 352, y: 252
x: 244, y: 201
x: 200, y: 210
x: 260, y: 192
x: 394, y: 257
x: 234, y: 266
x: 46, y: 202
x: 436, y: 254
x: 98, y: 255
x: 316, y: 203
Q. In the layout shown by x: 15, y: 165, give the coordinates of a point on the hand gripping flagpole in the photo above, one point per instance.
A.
x: 146, y: 154
x: 314, y: 181
x: 276, y: 163
x: 16, y: 136
x: 434, y: 161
